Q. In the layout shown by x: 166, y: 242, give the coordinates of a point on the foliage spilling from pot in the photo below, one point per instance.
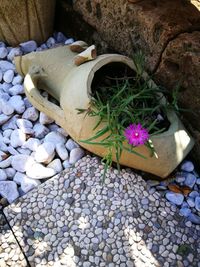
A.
x: 130, y: 108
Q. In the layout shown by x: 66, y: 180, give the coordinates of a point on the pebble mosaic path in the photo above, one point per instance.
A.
x: 10, y: 253
x: 74, y: 220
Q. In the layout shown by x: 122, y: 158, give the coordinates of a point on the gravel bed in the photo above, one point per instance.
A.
x: 74, y: 220
x: 32, y: 147
x: 10, y: 252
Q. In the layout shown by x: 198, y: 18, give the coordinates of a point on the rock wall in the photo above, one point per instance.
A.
x: 167, y: 32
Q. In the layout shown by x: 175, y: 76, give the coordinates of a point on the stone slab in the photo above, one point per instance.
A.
x: 75, y: 220
x: 10, y: 252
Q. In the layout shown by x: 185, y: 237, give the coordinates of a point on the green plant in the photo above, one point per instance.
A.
x: 126, y: 100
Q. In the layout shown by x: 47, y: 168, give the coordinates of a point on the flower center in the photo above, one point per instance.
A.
x: 136, y: 134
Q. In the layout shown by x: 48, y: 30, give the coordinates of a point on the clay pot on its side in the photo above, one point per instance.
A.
x: 55, y: 72
x: 23, y: 20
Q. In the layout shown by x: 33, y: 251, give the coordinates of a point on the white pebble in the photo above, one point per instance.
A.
x: 44, y: 119
x: 23, y: 123
x: 17, y: 89
x: 6, y: 163
x: 8, y: 76
x: 3, y: 52
x: 40, y: 130
x: 32, y: 144
x: 6, y: 65
x: 17, y: 79
x: 26, y: 183
x: 28, y: 46
x: 55, y: 138
x: 13, y: 53
x: 17, y: 103
x: 62, y: 151
x: 45, y: 152
x: 22, y: 163
x: 6, y: 107
x: 10, y: 172
x: 17, y: 138
x: 6, y: 86
x: 31, y: 114
x: 56, y: 165
x: 71, y: 144
x: 3, y: 175
x: 38, y: 171
x: 24, y: 151
x: 4, y: 118
x: 8, y: 190
x: 75, y: 155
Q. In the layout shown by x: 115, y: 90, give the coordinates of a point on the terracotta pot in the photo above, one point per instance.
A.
x: 55, y: 72
x: 23, y: 20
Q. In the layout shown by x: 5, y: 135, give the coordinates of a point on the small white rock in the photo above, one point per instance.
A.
x: 13, y: 53
x: 10, y: 172
x: 44, y: 119
x: 17, y: 79
x: 55, y: 138
x: 24, y: 151
x: 71, y: 144
x: 6, y: 65
x: 32, y: 144
x: 62, y: 151
x: 28, y: 46
x: 22, y: 163
x: 3, y: 52
x: 56, y: 165
x: 31, y: 114
x: 17, y: 89
x: 38, y: 171
x: 6, y: 163
x: 66, y: 164
x: 6, y: 86
x: 5, y: 107
x: 17, y: 103
x: 75, y: 155
x: 12, y: 150
x: 44, y: 152
x: 23, y: 123
x: 17, y: 138
x: 26, y: 183
x: 3, y: 175
x: 4, y: 118
x: 40, y: 131
x: 11, y: 123
x: 8, y: 76
x: 27, y: 103
x: 8, y: 190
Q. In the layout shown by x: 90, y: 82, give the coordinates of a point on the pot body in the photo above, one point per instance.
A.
x: 23, y: 20
x: 54, y: 71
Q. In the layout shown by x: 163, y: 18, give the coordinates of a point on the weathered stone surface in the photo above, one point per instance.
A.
x: 181, y: 62
x: 147, y: 25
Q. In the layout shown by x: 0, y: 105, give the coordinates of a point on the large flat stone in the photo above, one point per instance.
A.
x: 10, y: 252
x: 75, y: 220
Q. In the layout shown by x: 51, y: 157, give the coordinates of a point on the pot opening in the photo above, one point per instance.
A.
x: 109, y: 74
x: 121, y: 90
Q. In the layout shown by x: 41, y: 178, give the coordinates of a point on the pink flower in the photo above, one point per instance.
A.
x: 136, y: 134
